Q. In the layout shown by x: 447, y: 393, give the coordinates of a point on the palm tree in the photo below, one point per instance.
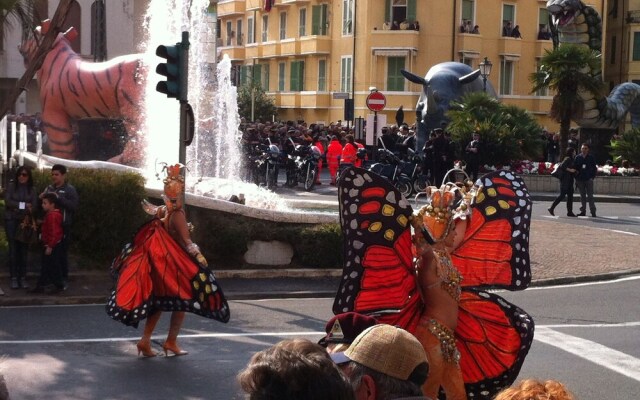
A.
x: 22, y: 12
x: 566, y: 70
x: 508, y: 132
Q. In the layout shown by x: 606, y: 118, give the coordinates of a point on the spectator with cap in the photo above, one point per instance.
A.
x: 343, y: 328
x: 385, y: 363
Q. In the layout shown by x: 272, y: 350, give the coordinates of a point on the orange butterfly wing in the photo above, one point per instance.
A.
x: 154, y: 273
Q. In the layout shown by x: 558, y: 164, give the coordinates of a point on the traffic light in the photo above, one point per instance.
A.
x: 175, y: 69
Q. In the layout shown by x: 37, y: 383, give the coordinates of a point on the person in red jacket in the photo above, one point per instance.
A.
x: 358, y: 160
x: 334, y: 152
x: 51, y: 231
x: 318, y: 144
x: 349, y: 151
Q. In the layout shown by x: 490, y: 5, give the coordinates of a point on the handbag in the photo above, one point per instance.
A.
x: 557, y: 171
x: 27, y: 231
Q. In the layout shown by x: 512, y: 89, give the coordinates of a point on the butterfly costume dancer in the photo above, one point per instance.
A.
x: 163, y: 270
x: 427, y: 272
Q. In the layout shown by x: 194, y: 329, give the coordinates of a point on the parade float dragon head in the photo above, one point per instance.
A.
x: 575, y: 23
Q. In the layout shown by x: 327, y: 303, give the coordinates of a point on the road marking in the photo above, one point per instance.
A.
x: 603, y: 356
x: 627, y: 278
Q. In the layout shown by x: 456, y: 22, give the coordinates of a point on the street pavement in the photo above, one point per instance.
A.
x: 560, y: 253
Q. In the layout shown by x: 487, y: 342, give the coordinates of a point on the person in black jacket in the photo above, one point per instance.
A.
x: 586, y: 168
x: 566, y: 183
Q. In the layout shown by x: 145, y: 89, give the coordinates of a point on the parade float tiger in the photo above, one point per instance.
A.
x: 73, y: 89
x: 573, y: 22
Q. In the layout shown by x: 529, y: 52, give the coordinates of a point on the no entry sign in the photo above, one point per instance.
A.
x: 376, y: 101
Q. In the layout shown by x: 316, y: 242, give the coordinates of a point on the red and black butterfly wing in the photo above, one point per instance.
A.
x: 493, y: 337
x: 154, y: 273
x: 378, y: 278
x: 495, y: 249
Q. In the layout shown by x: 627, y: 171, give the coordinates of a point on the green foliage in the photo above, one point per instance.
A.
x: 108, y: 214
x: 264, y: 106
x: 568, y: 70
x: 508, y: 132
x: 627, y: 147
x: 18, y: 13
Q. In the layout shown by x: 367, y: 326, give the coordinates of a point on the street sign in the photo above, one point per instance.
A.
x: 340, y: 95
x: 376, y: 101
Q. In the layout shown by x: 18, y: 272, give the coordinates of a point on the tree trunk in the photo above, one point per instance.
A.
x: 35, y: 64
x: 565, y: 125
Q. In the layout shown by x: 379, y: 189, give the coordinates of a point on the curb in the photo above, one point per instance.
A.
x: 8, y: 301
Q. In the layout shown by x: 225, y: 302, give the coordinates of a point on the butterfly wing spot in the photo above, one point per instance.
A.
x: 375, y: 227
x: 389, y: 234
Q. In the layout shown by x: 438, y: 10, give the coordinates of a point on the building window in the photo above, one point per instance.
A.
x: 345, y: 74
x: 347, y: 17
x: 265, y: 28
x: 544, y: 31
x: 230, y: 33
x: 506, y: 77
x: 466, y: 60
x: 322, y: 75
x: 542, y: 91
x: 399, y: 11
x: 508, y: 19
x: 239, y: 34
x: 319, y: 20
x: 251, y: 25
x: 302, y: 25
x: 283, y: 26
x: 281, y: 75
x: 297, y: 76
x: 636, y: 46
x: 612, y: 57
x: 468, y: 11
x: 395, y: 79
x: 74, y: 19
x: 219, y: 29
x: 245, y: 74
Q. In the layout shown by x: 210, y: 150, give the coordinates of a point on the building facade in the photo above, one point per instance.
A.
x: 304, y: 51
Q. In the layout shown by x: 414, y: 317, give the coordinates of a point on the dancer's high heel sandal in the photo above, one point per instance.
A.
x: 144, y: 349
x: 169, y: 347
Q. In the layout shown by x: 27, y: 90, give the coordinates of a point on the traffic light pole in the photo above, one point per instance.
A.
x: 186, y: 113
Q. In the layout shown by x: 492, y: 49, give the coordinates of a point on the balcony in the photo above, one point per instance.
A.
x: 286, y: 3
x: 541, y: 46
x: 287, y: 100
x: 252, y: 51
x: 289, y: 47
x: 235, y: 53
x: 388, y: 38
x: 315, y: 100
x: 633, y: 17
x: 468, y: 42
x: 508, y: 45
x: 315, y: 45
x: 228, y: 8
x: 270, y: 49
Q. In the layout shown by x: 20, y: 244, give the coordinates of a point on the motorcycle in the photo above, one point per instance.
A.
x: 302, y: 166
x: 404, y: 175
x: 266, y: 164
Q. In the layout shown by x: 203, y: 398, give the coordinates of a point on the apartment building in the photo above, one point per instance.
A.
x: 309, y: 53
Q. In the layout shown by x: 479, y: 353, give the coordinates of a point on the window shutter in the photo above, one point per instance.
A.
x: 411, y: 10
x: 315, y: 20
x: 387, y: 11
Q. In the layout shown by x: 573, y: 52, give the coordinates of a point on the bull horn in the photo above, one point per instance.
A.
x: 71, y: 34
x: 414, y: 78
x: 469, y: 77
x: 432, y: 105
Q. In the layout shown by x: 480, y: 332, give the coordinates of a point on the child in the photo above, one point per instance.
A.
x: 51, y: 236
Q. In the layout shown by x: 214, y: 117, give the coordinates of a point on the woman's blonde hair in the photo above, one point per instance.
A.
x: 532, y: 389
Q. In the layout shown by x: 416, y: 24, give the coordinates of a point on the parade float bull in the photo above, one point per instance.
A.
x: 573, y: 22
x: 72, y: 89
x: 444, y: 83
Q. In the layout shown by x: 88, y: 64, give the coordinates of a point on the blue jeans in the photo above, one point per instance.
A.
x: 586, y: 193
